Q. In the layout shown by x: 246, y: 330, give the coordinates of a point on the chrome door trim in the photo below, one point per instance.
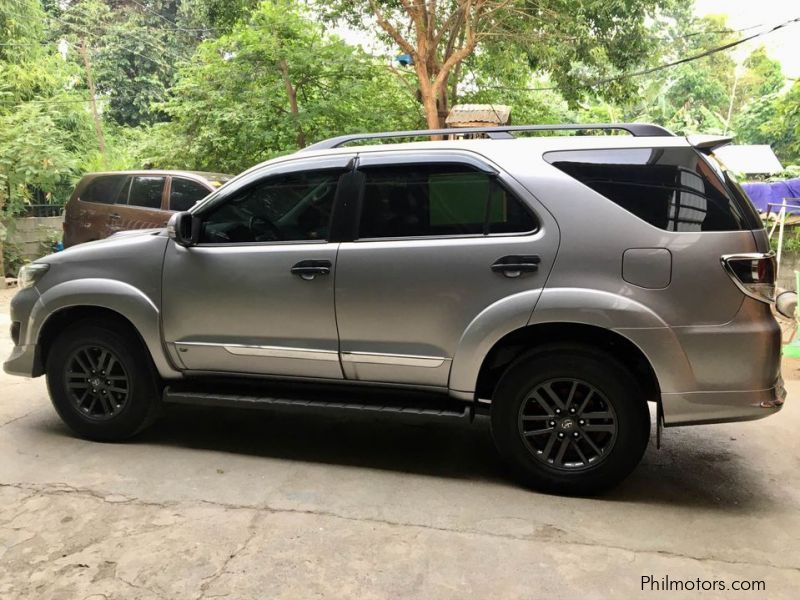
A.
x: 269, y: 351
x: 404, y: 360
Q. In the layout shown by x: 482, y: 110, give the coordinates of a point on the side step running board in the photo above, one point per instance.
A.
x: 415, y: 405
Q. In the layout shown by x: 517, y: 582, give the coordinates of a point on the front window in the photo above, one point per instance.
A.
x: 185, y: 193
x: 291, y: 207
x: 146, y: 191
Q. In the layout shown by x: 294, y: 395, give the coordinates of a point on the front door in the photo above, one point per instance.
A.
x: 440, y: 239
x: 255, y: 295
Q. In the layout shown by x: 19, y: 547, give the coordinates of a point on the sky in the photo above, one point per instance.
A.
x: 782, y: 45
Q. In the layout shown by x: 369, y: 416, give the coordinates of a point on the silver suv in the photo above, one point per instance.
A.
x: 554, y: 283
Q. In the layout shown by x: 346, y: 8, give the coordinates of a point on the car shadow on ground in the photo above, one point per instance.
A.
x: 692, y: 470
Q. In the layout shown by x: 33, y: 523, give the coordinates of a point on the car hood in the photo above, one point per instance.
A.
x: 111, y: 245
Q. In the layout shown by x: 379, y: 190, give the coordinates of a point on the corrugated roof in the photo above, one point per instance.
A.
x: 460, y: 114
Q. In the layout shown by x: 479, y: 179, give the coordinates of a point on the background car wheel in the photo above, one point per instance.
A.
x: 101, y: 381
x: 570, y: 420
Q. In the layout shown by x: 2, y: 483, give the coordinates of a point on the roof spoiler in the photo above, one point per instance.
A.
x: 708, y: 143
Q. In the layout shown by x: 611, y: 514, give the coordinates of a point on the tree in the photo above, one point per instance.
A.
x: 694, y: 96
x: 762, y: 76
x: 783, y: 128
x: 44, y: 124
x: 272, y: 85
x: 573, y: 41
x: 757, y: 103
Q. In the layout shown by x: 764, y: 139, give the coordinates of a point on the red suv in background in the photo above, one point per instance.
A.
x: 104, y: 203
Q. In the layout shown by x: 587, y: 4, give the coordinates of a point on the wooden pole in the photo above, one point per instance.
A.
x: 98, y: 126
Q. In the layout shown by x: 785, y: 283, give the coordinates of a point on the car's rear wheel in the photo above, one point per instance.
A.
x: 570, y: 420
x: 101, y: 381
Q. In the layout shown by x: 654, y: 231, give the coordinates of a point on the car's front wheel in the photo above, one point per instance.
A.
x: 570, y: 420
x: 101, y: 381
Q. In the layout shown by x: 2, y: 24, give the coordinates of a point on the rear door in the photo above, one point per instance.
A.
x: 437, y: 236
x: 142, y: 207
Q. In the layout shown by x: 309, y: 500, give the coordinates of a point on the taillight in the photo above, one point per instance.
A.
x: 754, y: 274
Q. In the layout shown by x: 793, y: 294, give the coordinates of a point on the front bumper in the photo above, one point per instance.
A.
x: 22, y: 361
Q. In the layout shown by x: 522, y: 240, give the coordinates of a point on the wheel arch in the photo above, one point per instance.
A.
x: 97, y: 299
x: 526, y: 339
x: 570, y: 314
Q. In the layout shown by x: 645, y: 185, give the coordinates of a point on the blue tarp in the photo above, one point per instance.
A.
x: 762, y: 194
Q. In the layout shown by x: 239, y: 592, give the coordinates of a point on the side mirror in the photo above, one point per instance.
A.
x: 184, y: 228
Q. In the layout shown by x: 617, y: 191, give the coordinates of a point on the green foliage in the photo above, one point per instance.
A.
x: 231, y: 106
x: 784, y: 129
x: 221, y: 85
x: 13, y: 259
x: 44, y: 125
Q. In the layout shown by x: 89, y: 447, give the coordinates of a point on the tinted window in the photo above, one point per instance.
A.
x: 103, y: 189
x: 437, y: 200
x: 146, y: 192
x: 671, y: 188
x: 122, y: 196
x: 184, y: 193
x: 290, y: 207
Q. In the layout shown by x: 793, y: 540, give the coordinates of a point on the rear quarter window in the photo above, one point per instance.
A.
x: 673, y: 189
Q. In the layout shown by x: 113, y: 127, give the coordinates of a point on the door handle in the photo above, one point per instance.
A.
x: 114, y: 217
x: 514, y: 265
x: 308, y: 269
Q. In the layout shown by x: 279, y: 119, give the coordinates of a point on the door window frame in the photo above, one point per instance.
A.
x: 259, y: 174
x: 451, y: 158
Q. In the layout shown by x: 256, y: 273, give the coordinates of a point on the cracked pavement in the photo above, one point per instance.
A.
x: 240, y: 504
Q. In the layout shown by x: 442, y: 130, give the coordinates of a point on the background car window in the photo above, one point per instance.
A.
x: 185, y: 193
x: 103, y: 189
x: 291, y: 207
x: 146, y: 191
x: 437, y: 200
x: 670, y: 188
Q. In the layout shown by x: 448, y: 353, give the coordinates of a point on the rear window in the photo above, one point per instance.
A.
x: 674, y: 189
x: 103, y: 189
x: 437, y: 200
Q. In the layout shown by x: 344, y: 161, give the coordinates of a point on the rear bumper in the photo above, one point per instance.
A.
x: 699, y: 408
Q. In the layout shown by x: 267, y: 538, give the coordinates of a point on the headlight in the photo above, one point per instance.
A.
x: 30, y: 274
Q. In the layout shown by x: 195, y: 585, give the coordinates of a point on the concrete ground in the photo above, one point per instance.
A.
x: 213, y: 503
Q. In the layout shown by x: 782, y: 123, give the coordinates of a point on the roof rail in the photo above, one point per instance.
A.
x: 495, y: 132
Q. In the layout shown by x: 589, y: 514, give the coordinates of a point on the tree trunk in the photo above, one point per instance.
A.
x: 427, y: 95
x: 98, y: 126
x: 291, y: 92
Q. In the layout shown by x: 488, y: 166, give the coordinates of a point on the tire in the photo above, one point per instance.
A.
x: 610, y: 427
x: 105, y: 414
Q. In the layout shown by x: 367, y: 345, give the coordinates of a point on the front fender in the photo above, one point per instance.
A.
x: 120, y: 297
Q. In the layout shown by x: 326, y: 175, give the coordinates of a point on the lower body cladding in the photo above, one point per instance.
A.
x: 717, y: 373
